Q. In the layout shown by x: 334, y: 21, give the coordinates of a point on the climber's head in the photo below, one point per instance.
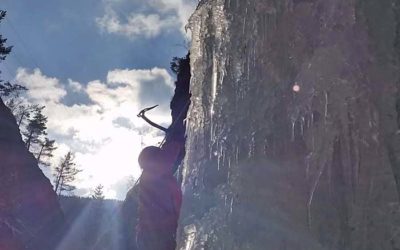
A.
x: 149, y: 158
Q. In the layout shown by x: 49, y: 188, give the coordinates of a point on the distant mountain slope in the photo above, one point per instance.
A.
x: 92, y: 224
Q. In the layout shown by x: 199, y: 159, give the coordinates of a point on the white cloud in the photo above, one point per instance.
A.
x: 166, y: 15
x: 34, y: 81
x: 133, y: 77
x: 105, y: 150
x: 136, y: 25
x: 183, y: 9
x: 127, y: 90
x: 75, y: 86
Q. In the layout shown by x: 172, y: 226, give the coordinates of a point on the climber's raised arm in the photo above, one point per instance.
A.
x: 174, y: 143
x: 170, y: 150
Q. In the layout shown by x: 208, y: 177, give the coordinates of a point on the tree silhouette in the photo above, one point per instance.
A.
x: 98, y: 192
x: 6, y: 88
x: 46, y: 151
x: 36, y: 128
x: 4, y: 50
x: 65, y: 174
x: 22, y: 112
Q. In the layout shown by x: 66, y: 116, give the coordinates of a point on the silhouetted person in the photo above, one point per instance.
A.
x: 160, y: 196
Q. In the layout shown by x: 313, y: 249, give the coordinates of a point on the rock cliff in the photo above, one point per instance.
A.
x: 293, y: 135
x: 30, y: 215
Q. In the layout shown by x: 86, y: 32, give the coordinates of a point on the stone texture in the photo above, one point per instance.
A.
x: 270, y: 168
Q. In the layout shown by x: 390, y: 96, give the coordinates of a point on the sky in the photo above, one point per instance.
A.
x: 95, y: 64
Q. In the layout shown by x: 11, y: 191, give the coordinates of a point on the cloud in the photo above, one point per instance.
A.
x: 75, y: 86
x: 128, y: 90
x: 150, y: 83
x: 183, y: 9
x: 164, y: 15
x: 105, y: 134
x: 34, y: 81
x: 136, y: 25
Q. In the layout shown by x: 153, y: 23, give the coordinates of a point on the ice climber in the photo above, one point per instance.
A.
x: 160, y: 196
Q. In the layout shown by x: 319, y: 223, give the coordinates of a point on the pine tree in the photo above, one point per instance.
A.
x: 174, y: 64
x: 4, y: 50
x: 23, y: 112
x: 98, y: 193
x: 6, y: 88
x: 46, y: 151
x: 9, y: 89
x: 65, y: 174
x: 36, y: 128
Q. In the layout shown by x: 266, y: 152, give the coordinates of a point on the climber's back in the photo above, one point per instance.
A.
x: 159, y: 197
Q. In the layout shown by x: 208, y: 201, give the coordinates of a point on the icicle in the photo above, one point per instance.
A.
x: 244, y: 25
x: 326, y: 106
x: 244, y: 22
x: 266, y: 27
x: 266, y: 146
x: 308, y: 164
x: 248, y: 62
x: 237, y: 155
x: 254, y: 55
x: 312, y: 132
x: 218, y: 163
x: 314, y: 187
x: 302, y: 122
x: 252, y: 145
x: 312, y: 119
x: 231, y: 206
x: 214, y: 82
x: 223, y: 156
x: 293, y: 127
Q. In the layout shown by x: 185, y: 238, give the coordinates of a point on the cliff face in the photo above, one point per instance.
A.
x: 30, y: 215
x: 267, y: 167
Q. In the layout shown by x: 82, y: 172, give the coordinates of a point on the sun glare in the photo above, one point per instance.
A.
x: 116, y: 159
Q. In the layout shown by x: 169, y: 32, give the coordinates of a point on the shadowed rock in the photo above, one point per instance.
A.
x: 30, y: 215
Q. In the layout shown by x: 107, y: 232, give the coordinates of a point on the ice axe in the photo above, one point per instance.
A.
x: 142, y: 114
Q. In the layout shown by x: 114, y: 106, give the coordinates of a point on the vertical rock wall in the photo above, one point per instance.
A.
x: 270, y: 168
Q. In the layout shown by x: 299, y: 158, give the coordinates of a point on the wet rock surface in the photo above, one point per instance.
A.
x: 273, y: 166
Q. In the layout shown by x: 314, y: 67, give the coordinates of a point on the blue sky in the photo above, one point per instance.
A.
x: 63, y: 39
x: 94, y: 64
